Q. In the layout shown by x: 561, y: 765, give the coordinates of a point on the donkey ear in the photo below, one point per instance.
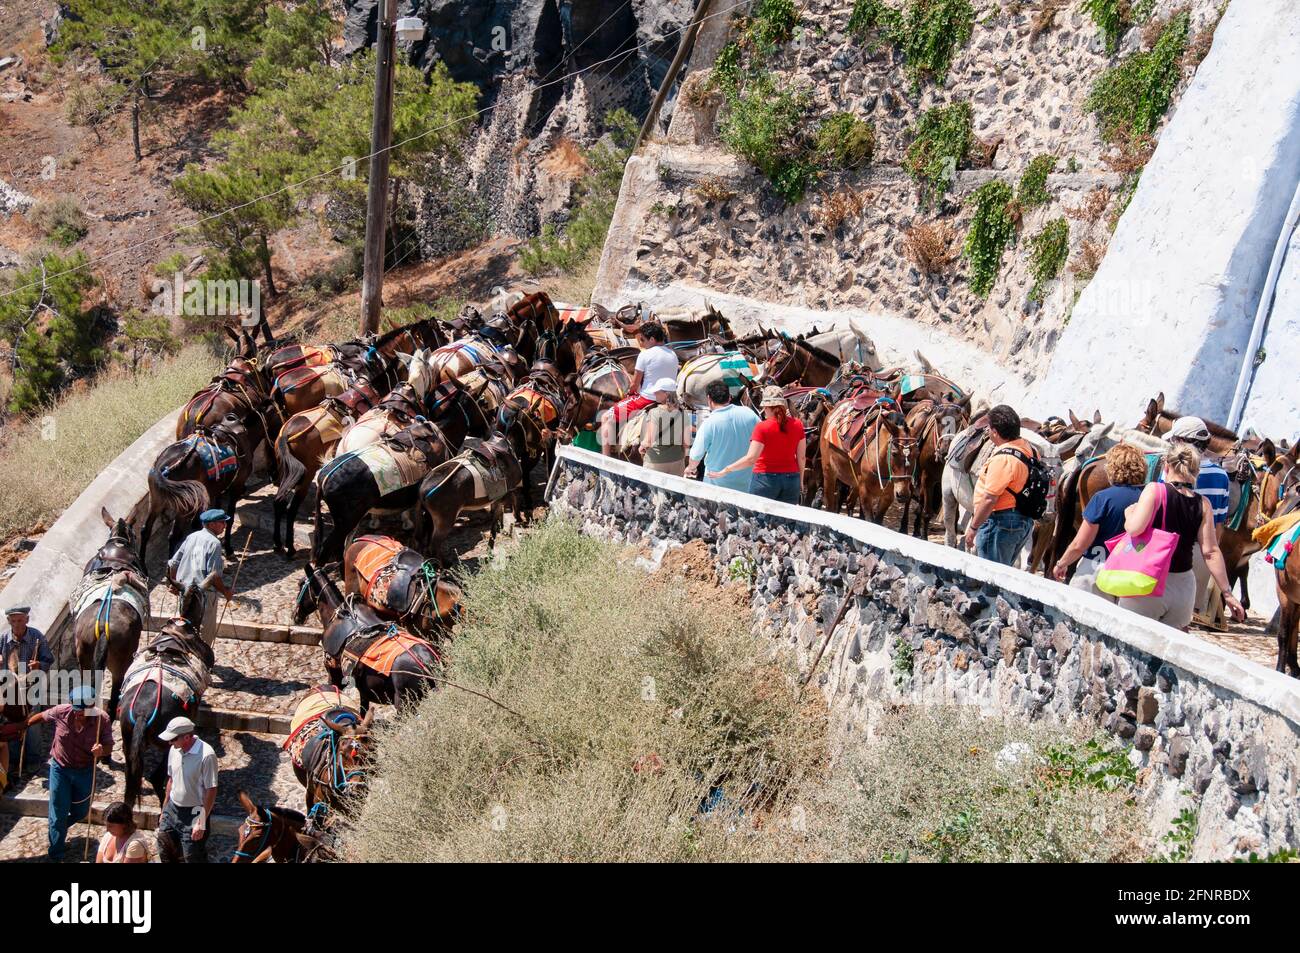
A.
x: 1074, y: 421
x: 247, y: 803
x: 1268, y: 452
x: 1160, y: 402
x: 305, y: 840
x: 368, y: 719
x: 1096, y: 416
x: 108, y: 520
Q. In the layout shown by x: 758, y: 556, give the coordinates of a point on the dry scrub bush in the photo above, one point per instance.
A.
x: 1131, y: 155
x: 714, y: 189
x: 932, y: 789
x: 1045, y: 18
x: 1093, y: 205
x: 634, y: 706
x: 1089, y: 259
x: 930, y: 246
x: 839, y: 206
x: 47, y: 462
x: 637, y: 699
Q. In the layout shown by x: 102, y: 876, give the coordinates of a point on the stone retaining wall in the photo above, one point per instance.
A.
x: 937, y: 626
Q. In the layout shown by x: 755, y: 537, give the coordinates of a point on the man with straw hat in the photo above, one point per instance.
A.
x: 82, y: 735
x: 199, y: 562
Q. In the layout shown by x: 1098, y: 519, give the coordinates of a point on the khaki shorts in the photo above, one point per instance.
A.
x: 1085, y: 576
x: 1173, y: 607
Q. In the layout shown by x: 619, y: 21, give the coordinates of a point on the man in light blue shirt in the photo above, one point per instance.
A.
x: 723, y: 439
x: 199, y: 562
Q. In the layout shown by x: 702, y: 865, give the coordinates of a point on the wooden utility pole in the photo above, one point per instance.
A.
x: 381, y: 137
x: 683, y: 48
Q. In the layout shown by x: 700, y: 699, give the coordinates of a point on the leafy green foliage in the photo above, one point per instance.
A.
x: 1179, y: 840
x: 1032, y: 190
x: 41, y: 313
x: 143, y: 334
x: 773, y: 23
x: 1047, y: 253
x: 940, y: 142
x: 928, y: 32
x: 293, y: 41
x: 844, y: 141
x: 1112, y: 17
x: 991, y: 230
x: 904, y: 660
x: 765, y: 126
x: 1130, y: 99
x: 557, y: 249
x: 1283, y: 855
x: 1097, y: 763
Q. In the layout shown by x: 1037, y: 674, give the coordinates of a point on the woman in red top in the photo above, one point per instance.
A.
x: 776, y: 452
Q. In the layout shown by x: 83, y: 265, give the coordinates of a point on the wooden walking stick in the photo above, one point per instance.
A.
x: 94, y: 782
x: 853, y: 590
x: 234, y: 583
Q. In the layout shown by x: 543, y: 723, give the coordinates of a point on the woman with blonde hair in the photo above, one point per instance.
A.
x: 1189, y: 516
x: 1103, y: 518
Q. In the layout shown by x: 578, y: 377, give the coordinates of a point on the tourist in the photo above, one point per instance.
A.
x: 655, y: 362
x: 997, y: 529
x: 1212, y: 483
x: 1188, y: 515
x: 191, y: 793
x: 1103, y: 518
x: 199, y: 562
x: 777, y: 448
x: 723, y: 439
x: 82, y: 735
x: 23, y: 651
x: 666, y: 432
x: 122, y: 842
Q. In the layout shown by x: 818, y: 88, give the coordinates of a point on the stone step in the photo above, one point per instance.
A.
x: 265, y: 632
x: 34, y: 801
x: 229, y: 719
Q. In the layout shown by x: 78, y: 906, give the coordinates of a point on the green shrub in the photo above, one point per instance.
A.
x: 845, y: 141
x: 991, y: 230
x: 1032, y: 190
x: 1130, y: 98
x: 1047, y: 253
x: 940, y: 142
x: 772, y: 23
x: 61, y: 219
x: 928, y: 32
x: 765, y: 126
x: 1112, y: 17
x: 1180, y: 839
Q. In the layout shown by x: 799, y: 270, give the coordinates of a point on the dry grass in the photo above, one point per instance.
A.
x: 1045, y: 18
x: 931, y: 246
x: 839, y: 206
x: 982, y: 151
x: 1131, y: 156
x: 713, y: 189
x: 45, y: 463
x: 1088, y: 260
x: 648, y: 724
x: 1093, y: 205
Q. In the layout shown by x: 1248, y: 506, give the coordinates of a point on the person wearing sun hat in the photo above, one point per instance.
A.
x: 190, y: 795
x: 777, y: 450
x: 666, y: 430
x: 24, y: 650
x: 198, y: 562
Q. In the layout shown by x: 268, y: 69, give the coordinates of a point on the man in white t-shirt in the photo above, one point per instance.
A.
x: 191, y: 794
x: 655, y: 362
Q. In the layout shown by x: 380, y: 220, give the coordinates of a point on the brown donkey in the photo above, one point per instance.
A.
x: 935, y: 423
x: 866, y: 445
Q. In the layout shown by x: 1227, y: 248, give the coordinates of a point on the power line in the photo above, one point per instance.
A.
x: 353, y: 162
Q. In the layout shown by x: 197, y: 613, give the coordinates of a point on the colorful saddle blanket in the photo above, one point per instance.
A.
x: 219, y: 460
x: 848, y: 422
x: 1278, y: 537
x: 108, y: 587
x: 380, y: 650
x: 392, y: 469
x: 731, y: 367
x: 308, y: 719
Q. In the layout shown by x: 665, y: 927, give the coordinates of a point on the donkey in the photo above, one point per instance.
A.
x: 866, y: 445
x: 241, y: 389
x: 388, y: 664
x: 110, y: 605
x: 400, y: 584
x: 189, y: 474
x: 165, y: 680
x: 386, y: 476
x: 799, y: 361
x: 531, y: 416
x: 268, y: 833
x: 935, y: 426
x: 485, y: 476
x: 1157, y: 421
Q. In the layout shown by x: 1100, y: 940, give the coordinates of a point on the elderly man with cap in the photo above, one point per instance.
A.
x: 191, y: 793
x: 199, y: 562
x: 24, y: 650
x: 82, y: 735
x: 1212, y: 483
x: 777, y: 449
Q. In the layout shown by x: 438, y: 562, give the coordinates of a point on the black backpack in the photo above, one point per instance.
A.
x: 1031, y: 501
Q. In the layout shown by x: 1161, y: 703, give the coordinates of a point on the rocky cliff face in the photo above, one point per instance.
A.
x: 704, y: 220
x: 522, y: 54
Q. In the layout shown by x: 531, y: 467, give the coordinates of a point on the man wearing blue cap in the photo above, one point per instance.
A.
x: 82, y: 735
x: 199, y: 562
x: 23, y: 650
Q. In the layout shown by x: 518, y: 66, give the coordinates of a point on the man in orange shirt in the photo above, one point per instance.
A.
x: 997, y: 531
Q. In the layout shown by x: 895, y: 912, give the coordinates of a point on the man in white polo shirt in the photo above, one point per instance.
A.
x: 191, y: 793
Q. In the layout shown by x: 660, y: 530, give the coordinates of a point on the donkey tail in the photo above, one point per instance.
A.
x: 1067, y: 505
x: 134, y: 753
x: 289, y: 470
x: 176, y: 498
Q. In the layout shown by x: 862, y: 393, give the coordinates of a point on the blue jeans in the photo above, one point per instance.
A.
x: 1000, y: 537
x: 69, y: 803
x: 32, y: 757
x: 776, y: 486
